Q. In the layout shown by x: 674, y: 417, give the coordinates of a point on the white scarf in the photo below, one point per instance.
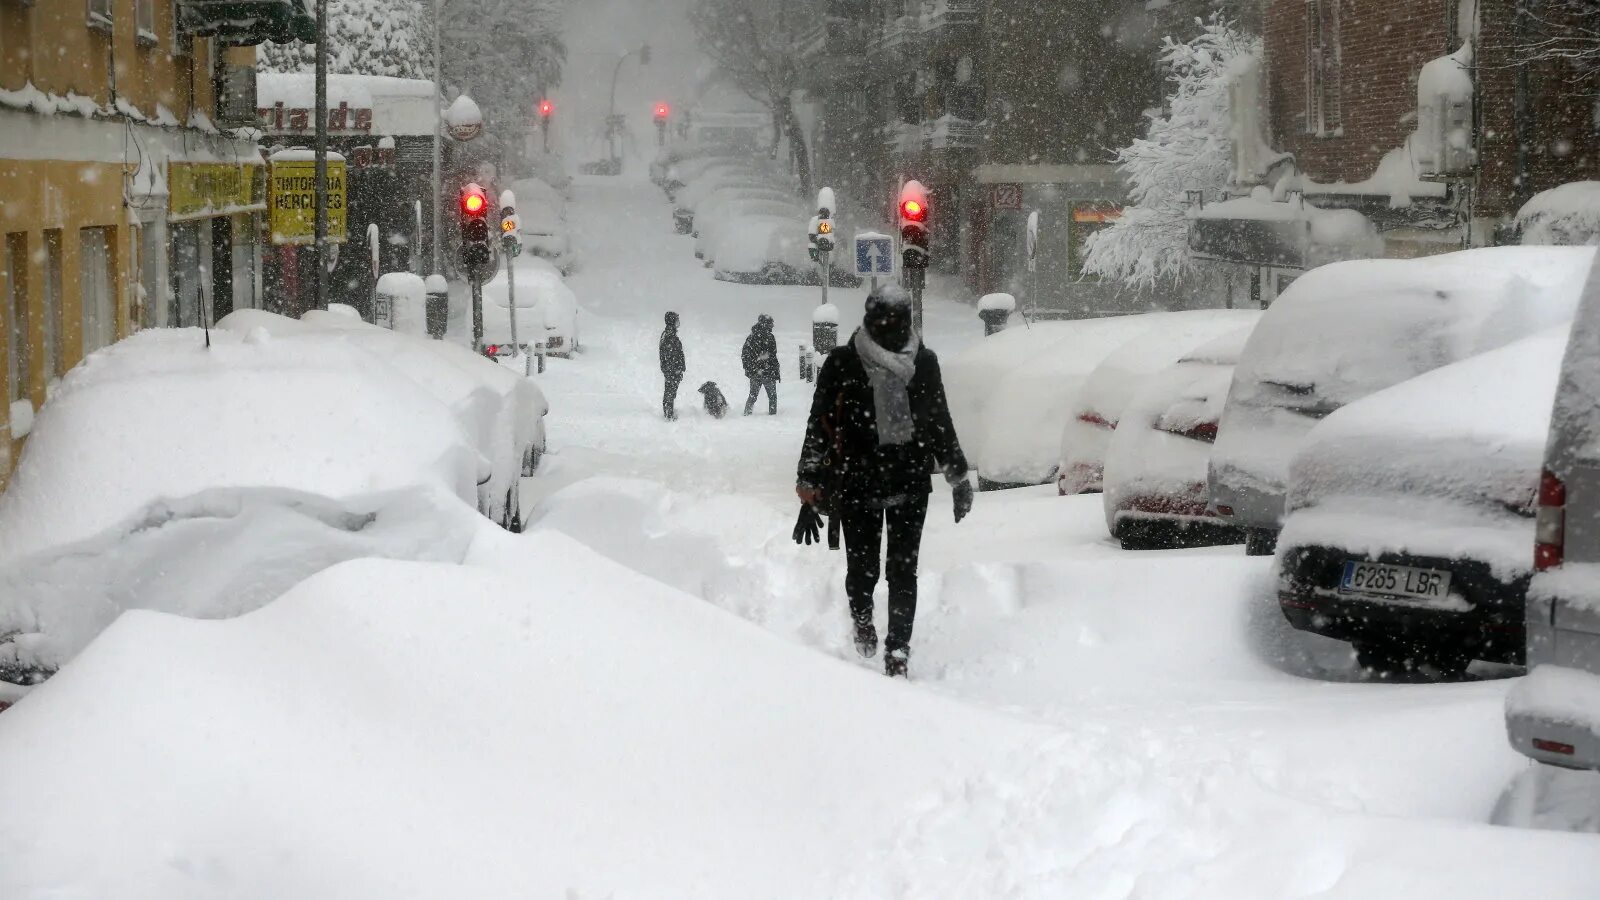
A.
x: 890, y: 374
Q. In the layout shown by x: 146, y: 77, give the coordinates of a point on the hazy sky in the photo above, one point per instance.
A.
x: 598, y: 32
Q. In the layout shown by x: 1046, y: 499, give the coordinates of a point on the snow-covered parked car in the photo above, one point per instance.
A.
x: 728, y: 210
x: 1119, y: 377
x: 1553, y: 715
x: 542, y: 223
x: 502, y: 412
x: 546, y: 308
x: 1155, y: 471
x: 764, y: 249
x: 1410, y: 525
x: 200, y: 480
x: 1349, y: 329
x: 1010, y: 392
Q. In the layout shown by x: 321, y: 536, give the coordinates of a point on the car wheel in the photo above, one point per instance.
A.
x: 1451, y: 664
x: 1260, y: 541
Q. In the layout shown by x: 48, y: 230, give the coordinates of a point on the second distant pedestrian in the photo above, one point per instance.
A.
x: 760, y: 356
x: 672, y: 366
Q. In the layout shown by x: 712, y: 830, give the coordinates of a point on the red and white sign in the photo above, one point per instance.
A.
x: 1006, y: 196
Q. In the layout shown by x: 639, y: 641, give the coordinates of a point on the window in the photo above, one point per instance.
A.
x: 183, y: 301
x: 54, y: 306
x: 1322, y: 68
x: 100, y: 14
x: 144, y: 18
x: 16, y: 317
x: 94, y: 280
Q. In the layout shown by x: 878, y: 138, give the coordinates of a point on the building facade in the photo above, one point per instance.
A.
x: 1417, y: 116
x: 124, y: 201
x: 1001, y: 108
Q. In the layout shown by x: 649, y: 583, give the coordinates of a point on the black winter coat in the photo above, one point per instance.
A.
x: 846, y: 456
x: 671, y: 353
x: 756, y: 368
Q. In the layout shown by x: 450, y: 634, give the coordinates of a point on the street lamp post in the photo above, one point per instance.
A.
x: 611, y: 116
x: 319, y: 239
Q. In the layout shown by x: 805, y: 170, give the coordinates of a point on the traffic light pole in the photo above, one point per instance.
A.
x: 477, y: 313
x: 438, y: 138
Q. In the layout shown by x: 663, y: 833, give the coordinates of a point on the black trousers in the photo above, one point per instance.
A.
x: 669, y: 397
x: 863, y: 543
x: 771, y: 384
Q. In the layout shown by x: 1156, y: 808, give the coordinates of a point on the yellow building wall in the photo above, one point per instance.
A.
x: 51, y: 45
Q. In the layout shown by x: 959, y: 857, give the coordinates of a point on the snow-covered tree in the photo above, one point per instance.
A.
x: 1564, y: 32
x: 1188, y: 146
x: 516, y: 54
x: 365, y: 37
x: 751, y: 44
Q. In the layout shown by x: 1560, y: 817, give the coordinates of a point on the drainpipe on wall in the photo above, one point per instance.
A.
x: 1521, y: 114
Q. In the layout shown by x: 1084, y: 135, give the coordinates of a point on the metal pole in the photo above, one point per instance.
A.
x: 477, y: 313
x: 826, y: 273
x: 438, y: 137
x: 320, y: 228
x: 511, y: 297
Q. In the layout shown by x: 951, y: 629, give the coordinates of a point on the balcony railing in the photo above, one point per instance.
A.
x: 941, y: 14
x: 951, y: 133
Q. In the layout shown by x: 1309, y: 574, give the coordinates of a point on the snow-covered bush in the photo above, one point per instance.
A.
x: 1569, y: 214
x: 1189, y: 146
x: 364, y: 38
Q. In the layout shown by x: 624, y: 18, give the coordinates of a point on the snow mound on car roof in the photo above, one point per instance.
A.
x: 159, y: 416
x: 1469, y: 436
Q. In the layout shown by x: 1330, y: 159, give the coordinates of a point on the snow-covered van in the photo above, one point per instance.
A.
x: 1553, y: 715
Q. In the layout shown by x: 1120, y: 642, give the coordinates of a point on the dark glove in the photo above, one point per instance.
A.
x: 808, y: 528
x: 961, y: 491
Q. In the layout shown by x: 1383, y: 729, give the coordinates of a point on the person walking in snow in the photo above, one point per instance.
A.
x: 879, y: 421
x: 760, y: 357
x: 672, y: 366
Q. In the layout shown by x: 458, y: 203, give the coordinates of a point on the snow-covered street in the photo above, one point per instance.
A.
x: 652, y: 691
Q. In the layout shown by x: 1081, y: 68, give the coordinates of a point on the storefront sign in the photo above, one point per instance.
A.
x: 293, y: 201
x: 1087, y: 218
x: 342, y: 119
x: 201, y: 190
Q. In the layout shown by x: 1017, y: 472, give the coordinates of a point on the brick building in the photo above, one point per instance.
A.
x: 1417, y: 115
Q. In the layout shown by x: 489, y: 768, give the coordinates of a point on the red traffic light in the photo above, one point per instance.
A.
x: 663, y: 110
x: 914, y: 211
x: 546, y: 108
x: 473, y: 201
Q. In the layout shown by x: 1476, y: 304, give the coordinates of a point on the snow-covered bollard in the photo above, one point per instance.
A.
x: 825, y: 328
x: 994, y: 310
x: 438, y: 291
x: 401, y: 303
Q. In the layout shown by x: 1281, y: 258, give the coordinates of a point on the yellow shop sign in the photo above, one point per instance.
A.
x: 200, y: 190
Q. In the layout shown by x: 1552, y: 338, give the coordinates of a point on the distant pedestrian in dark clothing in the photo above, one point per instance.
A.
x: 672, y: 366
x: 879, y: 421
x: 760, y: 356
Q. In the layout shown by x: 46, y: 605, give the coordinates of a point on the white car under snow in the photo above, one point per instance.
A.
x: 547, y: 309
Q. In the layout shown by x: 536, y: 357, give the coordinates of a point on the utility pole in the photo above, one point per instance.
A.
x: 320, y: 227
x: 438, y: 136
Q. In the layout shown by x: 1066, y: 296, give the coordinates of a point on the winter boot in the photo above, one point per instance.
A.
x: 894, y: 662
x: 866, y: 640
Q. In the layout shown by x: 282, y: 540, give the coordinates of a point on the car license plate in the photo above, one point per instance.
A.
x: 1407, y: 582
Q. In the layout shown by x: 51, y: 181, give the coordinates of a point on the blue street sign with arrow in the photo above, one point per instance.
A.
x: 874, y: 254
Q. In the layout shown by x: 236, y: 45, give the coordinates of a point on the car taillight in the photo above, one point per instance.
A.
x: 1550, y: 523
x: 1224, y: 509
x: 1205, y: 432
x: 1553, y: 747
x: 1095, y: 419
